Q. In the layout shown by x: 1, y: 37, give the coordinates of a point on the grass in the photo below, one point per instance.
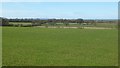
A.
x: 105, y: 25
x: 25, y: 23
x: 23, y: 46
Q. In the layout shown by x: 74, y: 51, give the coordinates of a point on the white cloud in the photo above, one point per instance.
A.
x: 60, y: 0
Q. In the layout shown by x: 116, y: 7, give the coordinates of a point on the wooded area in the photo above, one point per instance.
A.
x: 52, y: 22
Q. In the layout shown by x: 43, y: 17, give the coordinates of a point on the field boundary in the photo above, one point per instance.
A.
x: 76, y: 27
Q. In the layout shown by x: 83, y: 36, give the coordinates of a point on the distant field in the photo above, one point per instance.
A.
x: 19, y: 23
x: 104, y: 25
x: 59, y: 47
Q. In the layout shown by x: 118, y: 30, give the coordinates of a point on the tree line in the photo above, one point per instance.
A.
x: 39, y: 22
x: 35, y: 22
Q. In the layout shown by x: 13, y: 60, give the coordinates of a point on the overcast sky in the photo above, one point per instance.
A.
x: 85, y: 10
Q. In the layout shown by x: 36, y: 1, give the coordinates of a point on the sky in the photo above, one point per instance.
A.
x: 67, y: 10
x: 60, y: 0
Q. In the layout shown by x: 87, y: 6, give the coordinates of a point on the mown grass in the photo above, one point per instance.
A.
x: 23, y: 46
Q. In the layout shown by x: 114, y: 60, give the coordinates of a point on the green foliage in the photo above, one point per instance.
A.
x: 4, y: 21
x: 66, y: 23
x: 59, y: 47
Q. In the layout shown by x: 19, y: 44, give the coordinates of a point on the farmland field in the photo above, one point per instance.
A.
x: 102, y: 25
x: 23, y: 46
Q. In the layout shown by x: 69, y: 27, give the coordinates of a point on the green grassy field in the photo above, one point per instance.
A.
x: 26, y: 23
x: 104, y: 25
x: 23, y: 46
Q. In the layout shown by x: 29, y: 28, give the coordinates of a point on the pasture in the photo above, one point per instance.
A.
x: 23, y: 46
x: 58, y: 25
